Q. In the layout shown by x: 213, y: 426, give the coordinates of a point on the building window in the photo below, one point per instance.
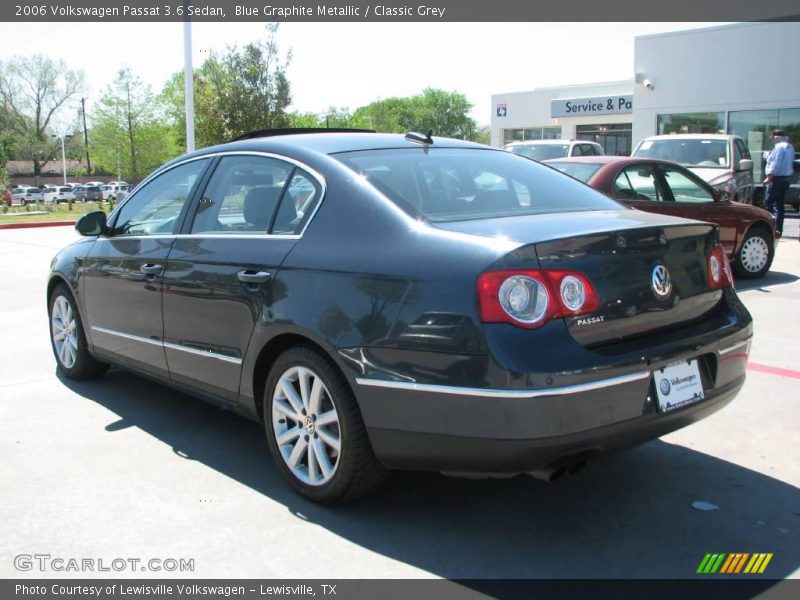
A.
x: 531, y: 133
x: 615, y: 138
x: 755, y: 128
x: 706, y: 122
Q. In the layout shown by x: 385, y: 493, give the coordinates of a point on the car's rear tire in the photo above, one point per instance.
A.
x: 68, y: 338
x: 754, y: 257
x: 315, y: 431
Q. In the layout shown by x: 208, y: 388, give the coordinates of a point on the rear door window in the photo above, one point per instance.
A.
x: 241, y: 195
x: 637, y: 182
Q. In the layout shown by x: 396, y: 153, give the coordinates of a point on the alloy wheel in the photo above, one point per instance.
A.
x: 64, y: 331
x: 306, y: 426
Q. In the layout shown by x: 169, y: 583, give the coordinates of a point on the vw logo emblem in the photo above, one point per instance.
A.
x: 311, y: 427
x: 665, y: 387
x: 661, y: 281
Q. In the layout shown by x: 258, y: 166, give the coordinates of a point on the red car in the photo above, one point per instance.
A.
x: 747, y: 232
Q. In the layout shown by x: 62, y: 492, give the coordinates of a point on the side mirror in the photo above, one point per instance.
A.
x: 93, y: 223
x: 745, y: 164
x: 721, y: 195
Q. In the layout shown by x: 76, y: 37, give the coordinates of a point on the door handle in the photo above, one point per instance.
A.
x: 248, y: 276
x: 151, y: 269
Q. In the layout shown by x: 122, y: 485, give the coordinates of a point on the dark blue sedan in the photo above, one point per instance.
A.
x: 388, y: 301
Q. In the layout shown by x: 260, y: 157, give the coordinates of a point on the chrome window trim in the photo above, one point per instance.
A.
x: 205, y: 236
x: 163, y: 344
x: 510, y: 394
x: 736, y: 346
x: 314, y: 174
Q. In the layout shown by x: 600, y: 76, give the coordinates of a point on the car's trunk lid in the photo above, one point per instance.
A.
x: 629, y: 256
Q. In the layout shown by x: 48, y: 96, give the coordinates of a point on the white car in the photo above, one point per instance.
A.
x: 722, y: 161
x: 94, y: 184
x: 540, y: 150
x: 25, y: 194
x: 114, y: 192
x: 58, y: 194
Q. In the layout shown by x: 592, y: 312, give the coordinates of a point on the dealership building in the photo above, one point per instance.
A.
x: 740, y: 79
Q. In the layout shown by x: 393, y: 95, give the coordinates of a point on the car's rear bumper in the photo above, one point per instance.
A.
x: 437, y: 427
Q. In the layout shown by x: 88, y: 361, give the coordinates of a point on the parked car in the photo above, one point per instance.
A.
x: 94, y: 184
x: 58, y: 194
x: 113, y: 192
x: 125, y: 183
x: 18, y: 196
x: 747, y: 233
x: 93, y: 192
x: 546, y: 149
x: 723, y: 161
x: 79, y: 191
x: 409, y: 316
x: 25, y: 195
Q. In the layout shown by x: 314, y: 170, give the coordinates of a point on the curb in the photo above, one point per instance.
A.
x: 29, y: 225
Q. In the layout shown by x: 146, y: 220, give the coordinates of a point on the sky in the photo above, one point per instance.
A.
x: 352, y: 64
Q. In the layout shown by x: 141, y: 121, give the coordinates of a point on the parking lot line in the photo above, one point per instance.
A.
x: 773, y: 370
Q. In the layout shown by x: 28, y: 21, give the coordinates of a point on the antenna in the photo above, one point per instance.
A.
x: 413, y: 136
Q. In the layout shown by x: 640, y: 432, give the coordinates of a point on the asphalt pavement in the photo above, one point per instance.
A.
x: 125, y: 468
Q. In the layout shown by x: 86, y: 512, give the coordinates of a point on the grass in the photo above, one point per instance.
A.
x: 48, y: 213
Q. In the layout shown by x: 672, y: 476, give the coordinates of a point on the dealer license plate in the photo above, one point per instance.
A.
x: 678, y: 384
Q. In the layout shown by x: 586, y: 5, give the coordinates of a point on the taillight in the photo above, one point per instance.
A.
x: 531, y: 298
x: 719, y: 269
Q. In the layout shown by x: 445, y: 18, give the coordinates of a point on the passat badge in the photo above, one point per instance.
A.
x: 661, y: 281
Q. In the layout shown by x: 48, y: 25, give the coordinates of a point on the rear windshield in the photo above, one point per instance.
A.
x: 580, y: 171
x: 541, y: 151
x: 452, y: 184
x: 689, y: 152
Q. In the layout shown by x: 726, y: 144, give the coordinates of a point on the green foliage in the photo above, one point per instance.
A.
x: 130, y: 132
x: 241, y: 90
x: 445, y: 113
x: 34, y: 91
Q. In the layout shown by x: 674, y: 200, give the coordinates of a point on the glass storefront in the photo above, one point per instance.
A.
x: 706, y: 122
x: 531, y: 133
x: 755, y: 128
x: 615, y: 138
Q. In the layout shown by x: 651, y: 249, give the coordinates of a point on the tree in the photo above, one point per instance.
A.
x: 445, y: 113
x: 130, y: 133
x: 34, y: 90
x: 242, y: 90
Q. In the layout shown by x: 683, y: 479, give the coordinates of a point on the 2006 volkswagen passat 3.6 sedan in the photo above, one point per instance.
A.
x: 387, y: 301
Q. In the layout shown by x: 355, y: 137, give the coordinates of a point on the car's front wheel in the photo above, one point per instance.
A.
x: 755, y: 255
x: 68, y: 338
x: 315, y: 430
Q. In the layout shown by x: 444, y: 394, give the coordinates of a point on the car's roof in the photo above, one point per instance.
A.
x: 692, y: 136
x: 333, y: 143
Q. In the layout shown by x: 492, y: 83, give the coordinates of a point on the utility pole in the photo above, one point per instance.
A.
x: 188, y: 80
x: 86, y: 137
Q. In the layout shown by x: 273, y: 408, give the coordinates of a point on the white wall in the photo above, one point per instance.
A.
x: 734, y: 67
x: 532, y: 108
